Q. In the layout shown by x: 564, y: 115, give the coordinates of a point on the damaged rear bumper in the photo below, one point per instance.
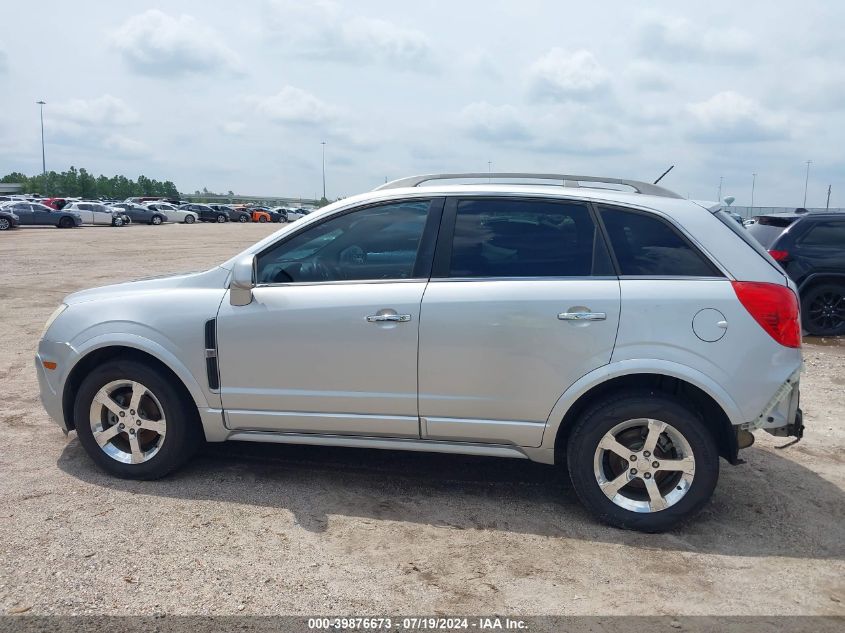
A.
x: 782, y: 416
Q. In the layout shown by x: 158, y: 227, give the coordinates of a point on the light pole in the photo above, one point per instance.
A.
x: 721, y: 178
x: 753, y: 182
x: 323, y: 143
x: 806, y: 180
x: 41, y: 104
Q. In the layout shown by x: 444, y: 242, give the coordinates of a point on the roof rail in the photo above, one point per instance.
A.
x: 566, y: 180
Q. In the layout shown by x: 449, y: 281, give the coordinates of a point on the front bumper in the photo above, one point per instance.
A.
x: 50, y: 398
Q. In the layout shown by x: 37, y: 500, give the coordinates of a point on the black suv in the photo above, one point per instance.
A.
x: 205, y: 212
x: 811, y: 249
x: 235, y: 215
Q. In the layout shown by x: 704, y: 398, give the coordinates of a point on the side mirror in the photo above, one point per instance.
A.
x: 243, y: 281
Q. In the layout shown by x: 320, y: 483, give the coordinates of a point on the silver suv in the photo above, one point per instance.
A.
x: 608, y: 326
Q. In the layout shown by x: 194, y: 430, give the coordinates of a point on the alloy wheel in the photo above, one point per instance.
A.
x: 128, y: 421
x: 827, y: 311
x: 644, y: 465
x: 5, y: 224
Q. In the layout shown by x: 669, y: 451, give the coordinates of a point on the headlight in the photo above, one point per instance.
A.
x: 52, y: 318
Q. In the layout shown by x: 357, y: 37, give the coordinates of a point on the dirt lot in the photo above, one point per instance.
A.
x: 273, y: 529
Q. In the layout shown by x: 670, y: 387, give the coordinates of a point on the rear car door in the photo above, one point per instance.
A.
x: 24, y: 212
x: 523, y: 301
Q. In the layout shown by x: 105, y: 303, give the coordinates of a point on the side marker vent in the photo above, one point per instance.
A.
x: 211, y: 354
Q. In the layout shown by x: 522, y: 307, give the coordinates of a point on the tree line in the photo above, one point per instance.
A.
x: 79, y: 183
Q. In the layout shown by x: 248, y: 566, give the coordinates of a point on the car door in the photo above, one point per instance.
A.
x: 24, y: 212
x: 85, y: 211
x: 44, y: 214
x: 101, y: 215
x: 523, y: 302
x: 329, y: 343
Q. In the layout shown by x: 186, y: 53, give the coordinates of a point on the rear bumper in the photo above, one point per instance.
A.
x: 782, y: 416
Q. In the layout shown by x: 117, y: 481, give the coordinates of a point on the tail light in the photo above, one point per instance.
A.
x: 774, y: 307
x: 779, y: 256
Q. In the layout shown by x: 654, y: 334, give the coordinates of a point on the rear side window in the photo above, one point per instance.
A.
x: 830, y: 233
x: 767, y: 229
x: 526, y: 238
x: 645, y: 245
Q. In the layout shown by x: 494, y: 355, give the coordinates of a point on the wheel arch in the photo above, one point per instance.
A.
x: 718, y: 409
x: 97, y: 355
x: 820, y: 278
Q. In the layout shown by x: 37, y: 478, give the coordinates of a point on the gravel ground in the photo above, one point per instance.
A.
x: 277, y: 529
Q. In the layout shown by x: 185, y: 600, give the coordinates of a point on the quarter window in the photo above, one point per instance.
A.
x: 526, y: 238
x: 826, y: 234
x: 647, y: 246
x: 373, y: 243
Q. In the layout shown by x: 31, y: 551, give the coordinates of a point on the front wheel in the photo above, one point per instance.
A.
x: 262, y: 219
x: 117, y: 222
x: 133, y: 422
x: 5, y: 224
x: 642, y: 461
x: 243, y: 218
x: 189, y: 219
x: 66, y: 223
x: 823, y: 310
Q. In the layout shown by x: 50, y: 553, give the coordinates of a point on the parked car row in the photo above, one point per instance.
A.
x: 65, y: 213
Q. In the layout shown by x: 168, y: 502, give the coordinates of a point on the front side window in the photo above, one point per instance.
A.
x: 373, y: 243
x: 526, y: 238
x: 645, y: 245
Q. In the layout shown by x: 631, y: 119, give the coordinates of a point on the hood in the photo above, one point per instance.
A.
x: 214, y: 278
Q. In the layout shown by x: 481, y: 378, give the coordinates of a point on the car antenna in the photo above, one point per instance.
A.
x: 671, y: 167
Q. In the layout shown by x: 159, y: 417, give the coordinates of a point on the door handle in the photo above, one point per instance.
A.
x: 582, y: 316
x: 380, y: 318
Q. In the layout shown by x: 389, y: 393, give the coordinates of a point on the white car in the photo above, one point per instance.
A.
x: 96, y: 213
x: 632, y: 337
x: 291, y: 214
x: 173, y: 213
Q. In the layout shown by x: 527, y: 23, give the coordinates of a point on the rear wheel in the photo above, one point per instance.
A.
x: 156, y: 220
x: 189, y: 219
x: 261, y: 218
x: 66, y: 223
x: 823, y: 310
x: 642, y: 461
x: 221, y: 218
x: 133, y: 422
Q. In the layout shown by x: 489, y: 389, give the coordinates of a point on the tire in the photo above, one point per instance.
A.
x: 189, y: 219
x: 161, y: 453
x: 5, y: 224
x: 117, y: 222
x: 221, y: 218
x: 262, y: 219
x: 156, y: 220
x: 632, y: 506
x: 243, y: 218
x: 823, y: 309
x: 66, y: 223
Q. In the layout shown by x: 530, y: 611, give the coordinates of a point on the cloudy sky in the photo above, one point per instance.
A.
x: 239, y: 96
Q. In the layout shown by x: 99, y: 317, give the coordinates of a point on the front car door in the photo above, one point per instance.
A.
x: 523, y: 301
x: 44, y: 214
x: 329, y: 343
